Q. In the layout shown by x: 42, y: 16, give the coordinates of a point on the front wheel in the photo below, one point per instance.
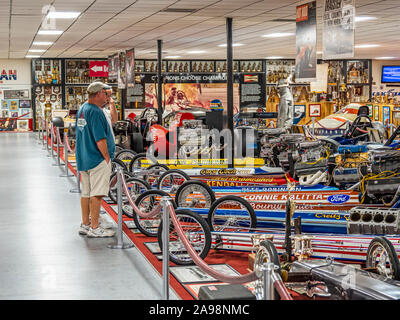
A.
x: 194, y: 194
x: 196, y: 231
x: 231, y: 213
x: 171, y: 180
x: 382, y: 256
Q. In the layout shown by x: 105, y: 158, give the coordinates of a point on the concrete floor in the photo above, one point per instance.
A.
x: 41, y: 254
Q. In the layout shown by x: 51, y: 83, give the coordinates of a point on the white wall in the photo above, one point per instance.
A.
x: 22, y: 67
x: 377, y: 86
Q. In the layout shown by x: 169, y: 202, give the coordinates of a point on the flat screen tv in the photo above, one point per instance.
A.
x: 390, y: 74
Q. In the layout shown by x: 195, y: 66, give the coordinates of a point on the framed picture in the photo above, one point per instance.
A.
x: 385, y: 115
x: 193, y: 274
x: 24, y: 113
x: 4, y: 104
x: 315, y: 110
x: 370, y: 108
x: 5, y: 113
x: 24, y: 103
x: 23, y: 125
x: 13, y: 105
x: 376, y: 113
x: 14, y: 114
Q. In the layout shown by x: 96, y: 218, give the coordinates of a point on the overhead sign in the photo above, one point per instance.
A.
x: 98, y: 69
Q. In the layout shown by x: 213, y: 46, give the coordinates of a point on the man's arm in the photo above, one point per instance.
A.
x: 102, y: 145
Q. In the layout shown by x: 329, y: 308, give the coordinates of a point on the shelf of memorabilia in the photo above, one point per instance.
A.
x: 203, y: 66
x: 47, y: 71
x: 47, y: 98
x: 279, y: 69
x: 150, y: 66
x: 250, y: 66
x: 75, y: 96
x: 178, y: 66
x: 77, y: 72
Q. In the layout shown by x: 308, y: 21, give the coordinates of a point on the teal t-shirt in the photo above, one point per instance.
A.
x: 91, y: 126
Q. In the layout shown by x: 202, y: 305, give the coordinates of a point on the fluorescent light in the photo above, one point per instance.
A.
x: 32, y: 56
x: 361, y: 46
x: 233, y: 45
x: 196, y: 51
x: 42, y: 43
x: 63, y: 14
x: 278, y: 35
x: 364, y: 18
x: 50, y: 32
x: 172, y: 57
x: 36, y: 50
x: 274, y: 57
x: 385, y: 58
x: 319, y: 52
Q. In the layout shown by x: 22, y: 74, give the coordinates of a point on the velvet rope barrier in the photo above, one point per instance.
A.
x: 68, y: 145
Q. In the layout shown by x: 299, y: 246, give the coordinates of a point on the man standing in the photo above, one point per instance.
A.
x: 95, y: 149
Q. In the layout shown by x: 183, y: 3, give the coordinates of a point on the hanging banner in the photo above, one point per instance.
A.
x: 130, y: 67
x: 338, y: 34
x: 306, y: 42
x: 113, y: 67
x: 121, y: 71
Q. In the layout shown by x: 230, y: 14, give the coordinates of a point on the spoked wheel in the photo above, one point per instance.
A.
x: 136, y: 187
x: 125, y: 155
x: 116, y: 163
x: 118, y: 148
x: 194, y: 194
x: 230, y: 213
x: 153, y: 173
x: 140, y: 162
x: 171, y: 180
x: 266, y: 253
x: 382, y: 256
x: 196, y: 231
x: 112, y: 193
x: 146, y: 202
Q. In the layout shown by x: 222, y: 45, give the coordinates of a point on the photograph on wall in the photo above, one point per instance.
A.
x: 4, y: 104
x: 338, y: 29
x: 386, y: 115
x: 121, y: 71
x: 13, y: 105
x: 24, y: 103
x: 5, y: 113
x: 113, y: 67
x: 376, y: 113
x: 14, y: 114
x: 181, y: 96
x: 306, y: 42
x: 24, y: 113
x: 23, y: 125
x: 299, y: 113
x: 16, y: 94
x: 130, y: 67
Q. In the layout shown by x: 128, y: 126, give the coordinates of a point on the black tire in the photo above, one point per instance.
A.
x: 140, y: 187
x: 237, y: 201
x: 148, y: 226
x: 136, y: 161
x: 125, y: 154
x: 137, y: 142
x: 202, y: 187
x: 380, y: 244
x: 115, y: 163
x: 168, y: 175
x: 178, y: 256
x: 112, y: 192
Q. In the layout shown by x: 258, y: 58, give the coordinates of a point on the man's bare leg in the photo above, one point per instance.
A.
x: 95, y: 203
x: 85, y: 210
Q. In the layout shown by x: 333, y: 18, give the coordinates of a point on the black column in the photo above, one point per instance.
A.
x: 159, y: 81
x: 229, y: 77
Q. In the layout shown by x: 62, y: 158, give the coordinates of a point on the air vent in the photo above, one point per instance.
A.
x: 182, y: 10
x: 283, y: 20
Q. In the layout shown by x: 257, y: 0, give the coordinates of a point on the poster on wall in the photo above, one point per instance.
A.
x: 386, y: 115
x: 130, y: 68
x: 306, y: 42
x: 252, y: 91
x: 338, y: 29
x: 121, y: 71
x: 113, y: 67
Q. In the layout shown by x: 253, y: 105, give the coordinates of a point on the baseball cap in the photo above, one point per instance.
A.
x: 97, y: 86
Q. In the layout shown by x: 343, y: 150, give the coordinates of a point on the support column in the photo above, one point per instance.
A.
x: 159, y: 81
x: 229, y: 77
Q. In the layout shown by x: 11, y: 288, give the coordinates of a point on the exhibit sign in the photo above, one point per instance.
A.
x: 306, y: 42
x: 113, y: 66
x: 130, y: 67
x: 338, y: 29
x: 121, y: 70
x: 98, y: 69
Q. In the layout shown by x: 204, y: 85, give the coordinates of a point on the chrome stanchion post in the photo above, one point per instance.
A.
x: 268, y: 284
x: 66, y: 157
x: 78, y: 183
x: 47, y: 137
x: 165, y: 248
x: 43, y: 129
x: 58, y: 146
x: 52, y: 140
x: 120, y: 244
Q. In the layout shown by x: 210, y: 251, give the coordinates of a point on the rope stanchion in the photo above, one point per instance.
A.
x: 120, y: 244
x: 58, y: 141
x: 66, y: 156
x: 78, y: 183
x: 165, y: 247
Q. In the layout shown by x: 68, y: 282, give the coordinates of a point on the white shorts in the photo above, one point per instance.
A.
x: 96, y: 182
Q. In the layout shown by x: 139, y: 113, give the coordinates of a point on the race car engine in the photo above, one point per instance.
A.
x: 373, y: 221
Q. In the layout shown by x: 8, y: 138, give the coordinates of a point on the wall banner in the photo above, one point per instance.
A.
x: 130, y: 68
x: 306, y: 42
x: 338, y: 33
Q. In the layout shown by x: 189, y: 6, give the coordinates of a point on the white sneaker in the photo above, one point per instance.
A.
x: 100, y: 233
x: 83, y: 229
x: 103, y: 223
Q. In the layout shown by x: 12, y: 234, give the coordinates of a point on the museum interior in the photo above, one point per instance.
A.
x: 252, y: 147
